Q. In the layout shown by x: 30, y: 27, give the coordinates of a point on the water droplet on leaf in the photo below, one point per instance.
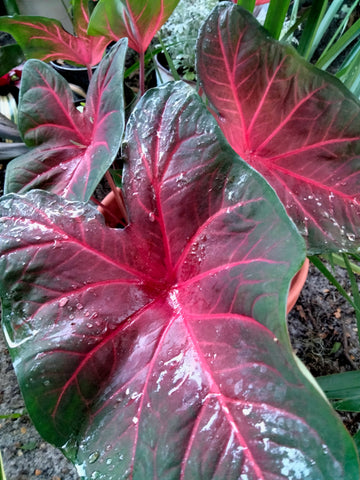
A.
x: 63, y: 301
x: 94, y: 456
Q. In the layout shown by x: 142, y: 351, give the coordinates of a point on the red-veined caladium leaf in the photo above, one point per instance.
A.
x: 296, y: 125
x: 160, y: 350
x: 71, y: 150
x: 46, y: 39
x: 139, y: 20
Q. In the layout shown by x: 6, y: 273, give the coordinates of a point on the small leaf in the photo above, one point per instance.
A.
x: 71, y: 151
x: 46, y: 39
x: 161, y: 350
x: 343, y: 389
x: 139, y: 20
x: 298, y: 126
x: 117, y: 177
x: 27, y: 447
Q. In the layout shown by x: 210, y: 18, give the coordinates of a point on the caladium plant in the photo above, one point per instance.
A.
x: 46, y: 39
x: 138, y: 20
x: 160, y: 350
x: 70, y: 150
x: 295, y: 124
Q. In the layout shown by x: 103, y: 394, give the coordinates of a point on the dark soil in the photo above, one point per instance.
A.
x: 323, y: 331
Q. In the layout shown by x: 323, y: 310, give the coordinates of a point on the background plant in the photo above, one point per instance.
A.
x: 46, y: 39
x: 180, y: 33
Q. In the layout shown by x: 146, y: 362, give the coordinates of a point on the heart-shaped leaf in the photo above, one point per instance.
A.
x: 71, y: 150
x: 296, y: 125
x: 160, y: 350
x: 46, y: 39
x: 139, y: 20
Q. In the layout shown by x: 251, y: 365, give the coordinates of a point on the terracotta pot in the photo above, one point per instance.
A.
x: 296, y: 285
x: 111, y: 210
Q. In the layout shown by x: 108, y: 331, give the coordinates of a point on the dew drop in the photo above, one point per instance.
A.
x: 63, y: 301
x: 108, y: 461
x: 94, y: 456
x: 152, y: 217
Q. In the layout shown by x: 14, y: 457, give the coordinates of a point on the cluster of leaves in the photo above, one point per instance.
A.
x: 161, y: 349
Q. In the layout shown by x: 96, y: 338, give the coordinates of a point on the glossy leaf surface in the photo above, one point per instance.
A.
x: 46, y: 39
x: 296, y: 125
x: 71, y: 150
x: 160, y: 350
x: 139, y: 20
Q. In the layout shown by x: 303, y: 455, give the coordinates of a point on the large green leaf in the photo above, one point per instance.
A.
x: 296, y: 125
x: 160, y: 350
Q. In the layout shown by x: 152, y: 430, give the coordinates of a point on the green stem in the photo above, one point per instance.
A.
x: 2, y: 471
x: 89, y: 70
x: 173, y: 70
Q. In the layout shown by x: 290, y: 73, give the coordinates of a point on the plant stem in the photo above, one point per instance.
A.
x: 142, y: 73
x: 118, y: 196
x: 89, y: 70
x: 173, y: 70
x: 2, y: 471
